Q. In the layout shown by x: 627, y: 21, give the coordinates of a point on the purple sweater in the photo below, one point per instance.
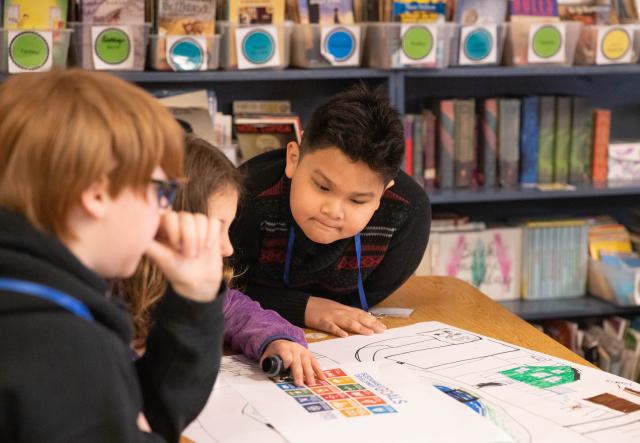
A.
x: 249, y: 328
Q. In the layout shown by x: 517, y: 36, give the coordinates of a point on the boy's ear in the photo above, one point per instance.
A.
x: 94, y: 199
x: 293, y: 158
x: 391, y: 183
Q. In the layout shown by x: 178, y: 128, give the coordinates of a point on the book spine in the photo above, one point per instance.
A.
x: 445, y: 144
x: 529, y: 134
x: 429, y: 139
x: 418, y: 149
x: 581, y: 138
x: 407, y: 163
x: 562, y: 140
x: 464, y: 142
x: 601, y: 131
x: 508, y: 141
x: 489, y: 142
x: 546, y: 139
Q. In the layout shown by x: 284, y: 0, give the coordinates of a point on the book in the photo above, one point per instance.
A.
x: 537, y: 8
x: 280, y: 107
x: 250, y: 12
x: 194, y: 112
x: 489, y: 145
x: 562, y: 140
x: 624, y: 161
x: 113, y: 12
x: 28, y: 14
x: 529, y: 140
x: 488, y: 259
x: 446, y: 125
x: 259, y: 134
x: 546, y: 141
x: 407, y: 162
x: 429, y: 141
x: 186, y: 17
x: 464, y: 142
x: 601, y: 130
x: 508, y: 141
x: 471, y: 12
x: 581, y: 143
x: 419, y: 11
x: 328, y: 12
x: 418, y: 149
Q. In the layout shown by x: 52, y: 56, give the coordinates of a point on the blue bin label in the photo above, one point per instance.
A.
x: 340, y: 44
x: 478, y: 45
x: 186, y: 54
x: 258, y: 47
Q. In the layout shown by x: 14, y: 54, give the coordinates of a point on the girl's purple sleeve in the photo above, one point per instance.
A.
x: 249, y: 329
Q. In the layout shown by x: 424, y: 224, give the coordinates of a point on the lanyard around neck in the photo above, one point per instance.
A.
x: 63, y: 300
x: 288, y: 257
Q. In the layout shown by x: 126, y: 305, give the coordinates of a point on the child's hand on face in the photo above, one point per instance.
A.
x: 301, y: 363
x: 187, y: 251
x: 338, y: 319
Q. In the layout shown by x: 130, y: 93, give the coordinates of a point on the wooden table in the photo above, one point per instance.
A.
x: 452, y: 301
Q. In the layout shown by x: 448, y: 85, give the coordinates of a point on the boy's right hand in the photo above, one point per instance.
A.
x: 338, y: 319
x: 187, y: 251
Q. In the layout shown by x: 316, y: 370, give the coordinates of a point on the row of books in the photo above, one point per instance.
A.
x: 461, y: 143
x: 526, y: 258
x: 199, y: 16
x: 613, y: 345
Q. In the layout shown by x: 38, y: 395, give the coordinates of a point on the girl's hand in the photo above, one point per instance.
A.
x: 301, y: 363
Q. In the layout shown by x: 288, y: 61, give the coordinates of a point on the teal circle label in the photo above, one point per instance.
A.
x: 186, y: 55
x: 29, y: 51
x: 340, y: 43
x: 258, y: 47
x: 478, y: 44
x: 113, y: 46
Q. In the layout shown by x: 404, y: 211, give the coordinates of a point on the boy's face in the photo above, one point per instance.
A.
x: 332, y: 197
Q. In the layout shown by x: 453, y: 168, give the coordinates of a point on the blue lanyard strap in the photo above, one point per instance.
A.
x: 363, y: 298
x: 287, y: 266
x: 63, y: 300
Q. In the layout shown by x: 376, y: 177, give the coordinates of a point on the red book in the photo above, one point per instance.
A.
x: 408, y: 144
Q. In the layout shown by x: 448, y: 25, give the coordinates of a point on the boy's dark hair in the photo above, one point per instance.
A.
x: 362, y: 124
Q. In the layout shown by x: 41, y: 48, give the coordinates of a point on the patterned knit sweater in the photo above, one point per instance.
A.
x: 393, y: 243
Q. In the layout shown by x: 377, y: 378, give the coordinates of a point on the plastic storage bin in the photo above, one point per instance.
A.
x: 608, y: 44
x: 158, y: 54
x: 618, y: 285
x: 116, y: 47
x: 386, y: 46
x: 480, y: 44
x: 30, y: 50
x: 327, y: 46
x: 263, y: 50
x: 516, y: 47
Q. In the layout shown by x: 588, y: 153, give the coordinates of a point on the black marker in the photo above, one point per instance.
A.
x: 273, y: 365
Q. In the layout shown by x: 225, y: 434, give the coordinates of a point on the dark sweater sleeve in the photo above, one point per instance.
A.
x: 180, y: 365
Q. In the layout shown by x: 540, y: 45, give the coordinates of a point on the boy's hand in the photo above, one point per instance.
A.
x: 301, y: 363
x: 338, y: 319
x: 187, y: 251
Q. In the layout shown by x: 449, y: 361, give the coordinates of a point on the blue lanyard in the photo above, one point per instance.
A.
x: 65, y: 301
x: 287, y: 265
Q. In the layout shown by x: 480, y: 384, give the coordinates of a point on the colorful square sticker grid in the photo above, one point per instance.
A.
x: 338, y: 393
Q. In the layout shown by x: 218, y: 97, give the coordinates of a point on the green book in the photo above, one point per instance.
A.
x: 581, y: 143
x: 563, y: 140
x: 546, y: 139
